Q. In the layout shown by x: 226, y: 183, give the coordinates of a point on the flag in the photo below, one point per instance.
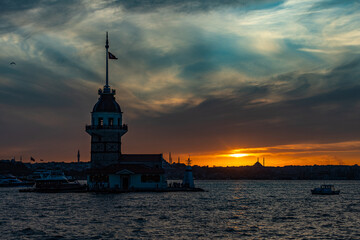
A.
x: 112, y: 56
x: 32, y: 159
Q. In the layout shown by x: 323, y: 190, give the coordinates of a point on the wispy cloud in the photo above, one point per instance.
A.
x: 302, y: 148
x: 199, y: 75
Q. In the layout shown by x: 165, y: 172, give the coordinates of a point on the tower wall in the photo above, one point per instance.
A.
x: 105, y: 148
x: 106, y: 117
x: 106, y: 130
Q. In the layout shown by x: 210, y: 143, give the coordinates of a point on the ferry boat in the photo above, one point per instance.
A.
x: 325, y: 189
x: 55, y: 181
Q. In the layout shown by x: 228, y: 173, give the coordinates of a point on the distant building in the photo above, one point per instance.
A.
x: 110, y: 169
x: 258, y: 164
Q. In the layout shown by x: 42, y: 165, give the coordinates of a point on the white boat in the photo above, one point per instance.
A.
x: 55, y: 181
x: 9, y: 180
x: 325, y: 189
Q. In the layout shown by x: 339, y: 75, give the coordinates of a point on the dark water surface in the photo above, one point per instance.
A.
x: 229, y: 210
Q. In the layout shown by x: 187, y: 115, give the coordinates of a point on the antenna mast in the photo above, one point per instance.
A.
x: 189, y: 161
x: 107, y: 57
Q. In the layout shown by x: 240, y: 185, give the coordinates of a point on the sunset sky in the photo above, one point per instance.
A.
x: 223, y: 81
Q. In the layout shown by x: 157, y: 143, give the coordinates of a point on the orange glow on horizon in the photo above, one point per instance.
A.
x: 235, y: 155
x: 343, y: 153
x: 238, y: 155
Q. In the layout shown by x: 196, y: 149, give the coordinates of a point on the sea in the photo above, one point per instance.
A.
x: 226, y: 210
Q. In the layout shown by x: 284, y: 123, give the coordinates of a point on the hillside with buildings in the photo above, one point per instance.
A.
x: 176, y: 171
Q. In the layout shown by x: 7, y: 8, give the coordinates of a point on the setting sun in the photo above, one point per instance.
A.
x: 238, y: 155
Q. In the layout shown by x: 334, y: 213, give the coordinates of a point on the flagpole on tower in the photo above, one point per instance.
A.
x: 107, y: 54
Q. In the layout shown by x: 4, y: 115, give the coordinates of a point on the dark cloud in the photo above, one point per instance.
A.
x: 218, y: 123
x: 193, y: 5
x: 330, y: 114
x: 326, y: 4
x: 65, y: 57
x: 197, y: 60
x: 8, y: 6
x: 40, y: 111
x: 45, y: 15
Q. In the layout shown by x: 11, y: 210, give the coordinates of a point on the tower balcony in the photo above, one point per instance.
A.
x: 112, y: 127
x: 106, y: 130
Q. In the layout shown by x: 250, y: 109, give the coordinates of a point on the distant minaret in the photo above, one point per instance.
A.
x: 170, y: 160
x: 263, y: 161
x: 178, y: 160
x: 78, y: 156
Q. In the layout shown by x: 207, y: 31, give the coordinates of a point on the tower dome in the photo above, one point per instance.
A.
x: 107, y: 103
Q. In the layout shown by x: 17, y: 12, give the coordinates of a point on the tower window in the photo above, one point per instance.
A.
x: 119, y: 121
x: 101, y: 121
x: 111, y: 121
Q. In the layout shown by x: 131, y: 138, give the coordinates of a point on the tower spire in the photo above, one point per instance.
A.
x: 106, y: 87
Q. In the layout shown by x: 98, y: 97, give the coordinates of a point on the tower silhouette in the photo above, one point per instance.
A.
x: 106, y: 127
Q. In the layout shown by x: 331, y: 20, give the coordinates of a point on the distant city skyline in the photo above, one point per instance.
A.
x: 225, y: 83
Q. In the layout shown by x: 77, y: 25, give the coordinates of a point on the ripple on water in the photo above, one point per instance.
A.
x: 29, y: 232
x: 230, y: 210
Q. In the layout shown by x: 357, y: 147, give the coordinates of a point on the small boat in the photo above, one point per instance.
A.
x: 9, y: 180
x: 325, y: 189
x: 55, y: 181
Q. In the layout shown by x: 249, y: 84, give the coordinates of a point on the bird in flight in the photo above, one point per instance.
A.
x: 12, y: 63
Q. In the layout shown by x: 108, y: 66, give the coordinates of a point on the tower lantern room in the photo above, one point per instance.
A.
x: 106, y: 127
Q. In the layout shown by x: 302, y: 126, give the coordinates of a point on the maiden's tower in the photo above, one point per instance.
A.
x: 106, y: 127
x: 110, y: 168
